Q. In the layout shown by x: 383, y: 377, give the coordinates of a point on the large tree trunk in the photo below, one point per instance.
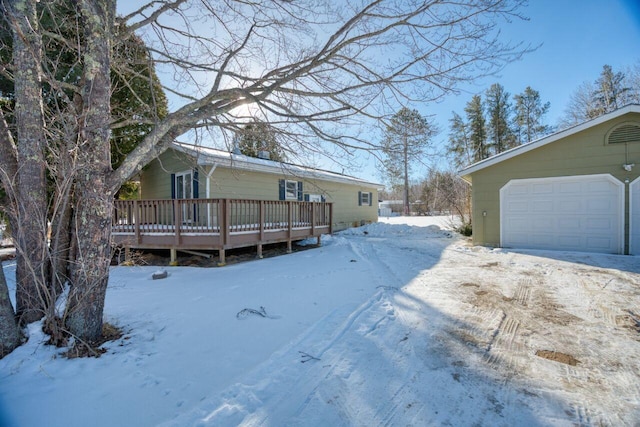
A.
x: 9, y: 331
x: 92, y: 219
x: 31, y: 196
x: 60, y: 246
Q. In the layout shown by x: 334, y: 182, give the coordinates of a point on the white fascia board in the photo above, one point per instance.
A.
x: 210, y: 156
x: 505, y: 155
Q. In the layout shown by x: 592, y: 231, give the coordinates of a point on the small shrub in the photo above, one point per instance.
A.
x: 465, y: 229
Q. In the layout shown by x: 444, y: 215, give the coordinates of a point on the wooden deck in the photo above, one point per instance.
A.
x: 217, y: 224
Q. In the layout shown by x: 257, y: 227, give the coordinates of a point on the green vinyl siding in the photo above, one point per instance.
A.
x: 239, y: 184
x: 155, y: 181
x: 233, y: 183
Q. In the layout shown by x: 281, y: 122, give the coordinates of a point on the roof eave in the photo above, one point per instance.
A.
x: 243, y: 162
x: 516, y: 151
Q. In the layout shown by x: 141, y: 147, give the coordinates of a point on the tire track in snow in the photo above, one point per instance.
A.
x: 335, y: 388
x: 386, y: 277
x: 506, y: 347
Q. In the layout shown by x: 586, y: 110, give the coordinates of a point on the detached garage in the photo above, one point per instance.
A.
x: 576, y: 190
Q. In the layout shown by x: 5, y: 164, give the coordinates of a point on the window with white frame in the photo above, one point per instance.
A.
x: 364, y: 198
x: 291, y: 190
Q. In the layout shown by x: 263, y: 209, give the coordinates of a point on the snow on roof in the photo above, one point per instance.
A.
x: 213, y: 156
x: 505, y: 155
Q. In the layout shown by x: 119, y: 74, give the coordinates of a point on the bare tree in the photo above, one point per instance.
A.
x: 444, y: 191
x: 313, y: 70
x: 611, y: 90
x: 406, y: 137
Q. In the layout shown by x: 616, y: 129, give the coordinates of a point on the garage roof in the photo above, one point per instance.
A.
x: 521, y: 149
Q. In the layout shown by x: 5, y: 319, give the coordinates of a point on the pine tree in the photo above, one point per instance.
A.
x: 500, y: 135
x: 258, y: 136
x: 610, y: 91
x: 477, y: 128
x: 460, y: 141
x: 607, y: 93
x: 529, y: 113
x: 406, y: 138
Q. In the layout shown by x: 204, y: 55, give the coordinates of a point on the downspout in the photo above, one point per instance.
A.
x: 208, y: 193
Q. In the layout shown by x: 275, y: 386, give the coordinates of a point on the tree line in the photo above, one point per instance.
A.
x: 495, y: 124
x: 610, y: 91
x: 492, y: 123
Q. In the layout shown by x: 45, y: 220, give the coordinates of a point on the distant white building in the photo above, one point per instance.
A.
x: 390, y: 208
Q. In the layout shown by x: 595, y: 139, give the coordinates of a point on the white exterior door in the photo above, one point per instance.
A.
x: 634, y: 217
x: 184, y: 190
x: 576, y: 213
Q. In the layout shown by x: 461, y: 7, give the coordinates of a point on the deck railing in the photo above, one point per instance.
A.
x: 217, y: 223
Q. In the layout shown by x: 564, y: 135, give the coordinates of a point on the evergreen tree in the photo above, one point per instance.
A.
x: 137, y: 98
x: 460, y: 142
x: 610, y: 91
x: 405, y: 140
x: 607, y: 93
x: 498, y: 107
x: 259, y: 136
x: 477, y: 128
x: 529, y: 113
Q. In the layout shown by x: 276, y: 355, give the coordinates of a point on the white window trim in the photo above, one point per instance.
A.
x: 287, y: 194
x: 184, y: 174
x: 364, y: 198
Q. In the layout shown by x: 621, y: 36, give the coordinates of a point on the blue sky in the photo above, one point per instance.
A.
x: 576, y: 38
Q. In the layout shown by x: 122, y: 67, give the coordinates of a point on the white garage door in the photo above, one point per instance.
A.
x: 577, y: 213
x: 634, y: 217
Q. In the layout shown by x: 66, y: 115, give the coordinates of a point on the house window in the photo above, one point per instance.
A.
x: 365, y: 198
x: 183, y: 187
x: 291, y: 190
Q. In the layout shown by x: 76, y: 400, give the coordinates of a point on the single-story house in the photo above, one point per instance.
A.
x: 186, y: 171
x: 577, y: 189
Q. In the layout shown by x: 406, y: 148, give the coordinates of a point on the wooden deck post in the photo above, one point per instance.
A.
x: 331, y: 218
x: 226, y: 208
x: 177, y: 221
x: 289, y: 225
x: 174, y: 257
x: 135, y: 218
x: 261, y: 214
x: 313, y: 218
x: 224, y: 221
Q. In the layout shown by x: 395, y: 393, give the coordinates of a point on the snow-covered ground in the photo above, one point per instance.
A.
x: 388, y: 324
